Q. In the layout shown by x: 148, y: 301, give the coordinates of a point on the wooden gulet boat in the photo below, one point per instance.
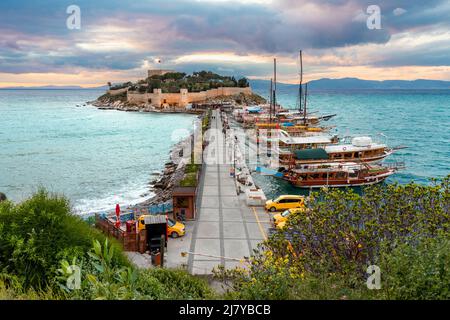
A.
x: 287, y: 145
x: 361, y: 149
x: 347, y: 174
x: 308, y: 156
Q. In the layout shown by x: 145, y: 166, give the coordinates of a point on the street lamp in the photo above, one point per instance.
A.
x: 235, y: 146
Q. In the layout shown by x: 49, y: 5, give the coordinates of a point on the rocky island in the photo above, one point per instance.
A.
x: 170, y: 91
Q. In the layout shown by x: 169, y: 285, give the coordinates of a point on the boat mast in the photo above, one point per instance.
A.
x: 300, y: 84
x: 274, y: 99
x: 270, y: 99
x: 304, y: 109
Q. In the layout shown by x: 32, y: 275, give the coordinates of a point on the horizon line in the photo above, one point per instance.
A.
x: 95, y: 86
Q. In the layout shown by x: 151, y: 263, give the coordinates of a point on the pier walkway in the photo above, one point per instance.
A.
x: 226, y: 229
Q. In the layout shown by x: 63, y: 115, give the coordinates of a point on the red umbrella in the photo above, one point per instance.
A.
x: 117, y: 215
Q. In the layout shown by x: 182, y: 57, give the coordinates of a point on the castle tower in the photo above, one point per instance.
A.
x: 156, y: 98
x: 183, y: 98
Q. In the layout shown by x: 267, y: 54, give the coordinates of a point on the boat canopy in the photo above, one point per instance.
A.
x: 254, y: 109
x: 310, y: 154
x: 313, y: 139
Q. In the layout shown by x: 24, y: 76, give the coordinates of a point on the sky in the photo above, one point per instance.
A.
x: 118, y: 40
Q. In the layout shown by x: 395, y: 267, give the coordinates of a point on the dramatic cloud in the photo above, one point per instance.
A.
x: 120, y: 38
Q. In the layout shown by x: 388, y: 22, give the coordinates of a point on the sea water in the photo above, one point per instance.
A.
x: 418, y: 119
x: 97, y: 158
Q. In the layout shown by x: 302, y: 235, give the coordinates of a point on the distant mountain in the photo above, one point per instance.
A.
x: 262, y: 86
x: 357, y: 84
x: 55, y: 88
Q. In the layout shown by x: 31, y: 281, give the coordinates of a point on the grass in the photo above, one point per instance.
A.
x: 190, y: 175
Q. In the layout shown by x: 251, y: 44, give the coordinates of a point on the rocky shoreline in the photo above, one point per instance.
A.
x: 119, y: 102
x: 170, y: 177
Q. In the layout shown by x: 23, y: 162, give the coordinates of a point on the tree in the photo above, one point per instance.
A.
x: 243, y: 83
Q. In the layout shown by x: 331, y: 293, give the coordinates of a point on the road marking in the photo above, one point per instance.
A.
x: 259, y: 224
x: 185, y: 253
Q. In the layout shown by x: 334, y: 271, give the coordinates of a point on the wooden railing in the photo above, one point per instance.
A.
x: 131, y: 241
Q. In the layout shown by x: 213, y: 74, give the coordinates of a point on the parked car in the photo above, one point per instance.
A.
x: 175, y: 229
x: 282, y: 217
x: 281, y: 225
x: 285, y: 202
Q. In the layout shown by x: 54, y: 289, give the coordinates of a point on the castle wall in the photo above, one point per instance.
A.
x: 159, y: 99
x: 116, y: 92
x: 137, y: 98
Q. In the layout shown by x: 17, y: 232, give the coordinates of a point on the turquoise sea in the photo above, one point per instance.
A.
x: 98, y: 158
x: 95, y: 157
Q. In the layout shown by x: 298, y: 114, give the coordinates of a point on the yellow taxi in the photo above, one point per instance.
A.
x: 175, y: 229
x: 285, y: 202
x: 281, y: 225
x: 282, y: 217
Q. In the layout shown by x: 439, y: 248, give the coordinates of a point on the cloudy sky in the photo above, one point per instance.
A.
x: 120, y: 39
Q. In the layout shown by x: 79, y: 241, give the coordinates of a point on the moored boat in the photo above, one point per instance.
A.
x: 361, y: 149
x: 348, y: 174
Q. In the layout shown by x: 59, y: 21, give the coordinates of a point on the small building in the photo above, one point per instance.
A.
x: 184, y: 202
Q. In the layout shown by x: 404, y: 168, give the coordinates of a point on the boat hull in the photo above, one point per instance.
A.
x: 371, y: 160
x: 343, y: 182
x: 337, y: 184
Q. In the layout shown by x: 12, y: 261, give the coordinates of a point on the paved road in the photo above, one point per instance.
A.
x: 226, y: 227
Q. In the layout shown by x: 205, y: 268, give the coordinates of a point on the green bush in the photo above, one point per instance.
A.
x: 189, y: 180
x: 9, y: 292
x: 345, y: 231
x: 172, y: 284
x: 324, y: 252
x: 417, y: 272
x: 190, y: 175
x: 101, y: 279
x: 36, y: 234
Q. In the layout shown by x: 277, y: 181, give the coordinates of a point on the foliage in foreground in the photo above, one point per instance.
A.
x: 100, y: 279
x: 324, y: 253
x: 41, y: 241
x: 39, y: 232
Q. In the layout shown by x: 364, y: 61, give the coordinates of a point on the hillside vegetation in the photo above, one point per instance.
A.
x: 174, y: 81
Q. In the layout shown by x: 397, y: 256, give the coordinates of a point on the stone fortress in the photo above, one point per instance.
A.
x: 181, y: 100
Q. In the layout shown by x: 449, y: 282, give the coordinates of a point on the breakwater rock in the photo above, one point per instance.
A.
x: 120, y: 102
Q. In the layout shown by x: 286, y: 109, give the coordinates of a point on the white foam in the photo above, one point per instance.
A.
x: 128, y: 195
